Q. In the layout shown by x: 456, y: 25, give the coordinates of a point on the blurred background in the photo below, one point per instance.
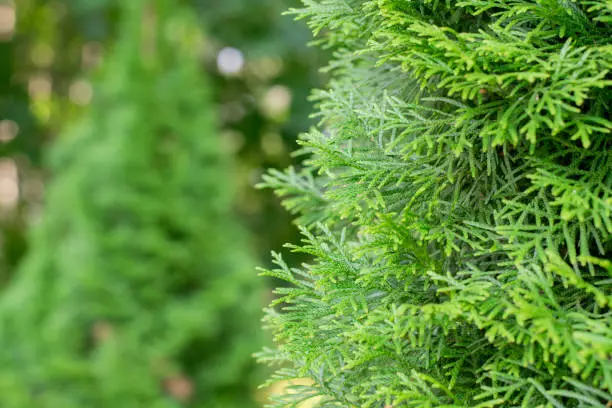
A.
x: 255, y: 58
x: 260, y: 66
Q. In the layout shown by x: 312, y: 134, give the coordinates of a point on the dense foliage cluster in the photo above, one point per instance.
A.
x: 457, y: 200
x: 138, y: 290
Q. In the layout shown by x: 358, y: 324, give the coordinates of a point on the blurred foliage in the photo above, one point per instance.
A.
x: 139, y: 289
x: 44, y: 71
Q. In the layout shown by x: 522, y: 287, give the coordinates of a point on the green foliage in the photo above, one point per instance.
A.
x: 58, y: 43
x: 457, y: 200
x: 138, y: 289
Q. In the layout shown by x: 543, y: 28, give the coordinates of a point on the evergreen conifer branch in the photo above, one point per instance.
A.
x: 463, y: 255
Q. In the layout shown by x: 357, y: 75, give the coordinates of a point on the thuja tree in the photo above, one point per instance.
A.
x: 138, y: 290
x: 456, y: 199
x: 58, y: 43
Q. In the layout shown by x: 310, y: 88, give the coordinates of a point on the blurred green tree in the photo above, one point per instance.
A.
x: 262, y: 107
x: 138, y: 290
